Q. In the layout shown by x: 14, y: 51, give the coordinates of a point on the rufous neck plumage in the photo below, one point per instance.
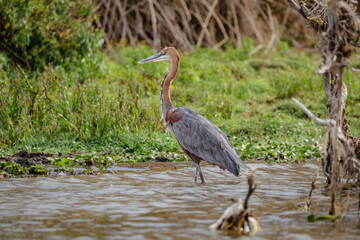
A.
x: 166, y: 104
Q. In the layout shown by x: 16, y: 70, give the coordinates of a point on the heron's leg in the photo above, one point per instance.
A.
x: 196, y: 173
x: 198, y: 170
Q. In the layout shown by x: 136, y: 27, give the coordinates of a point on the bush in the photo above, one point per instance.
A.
x: 47, y: 48
x: 35, y: 34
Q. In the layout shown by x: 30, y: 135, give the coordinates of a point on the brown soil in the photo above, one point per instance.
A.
x: 25, y: 158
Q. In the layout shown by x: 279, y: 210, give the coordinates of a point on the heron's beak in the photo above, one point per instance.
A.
x: 156, y: 58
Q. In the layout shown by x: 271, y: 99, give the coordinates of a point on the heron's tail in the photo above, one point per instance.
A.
x: 236, y: 165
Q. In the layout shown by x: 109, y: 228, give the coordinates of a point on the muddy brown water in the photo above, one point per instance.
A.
x: 161, y: 201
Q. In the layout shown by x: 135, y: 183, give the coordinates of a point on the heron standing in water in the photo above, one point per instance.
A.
x: 197, y: 136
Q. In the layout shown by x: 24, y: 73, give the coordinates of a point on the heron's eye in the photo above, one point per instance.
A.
x: 162, y: 52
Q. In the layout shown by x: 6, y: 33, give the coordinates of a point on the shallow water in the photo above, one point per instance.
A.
x: 161, y: 201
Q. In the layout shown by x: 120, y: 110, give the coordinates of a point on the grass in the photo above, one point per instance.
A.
x: 118, y: 114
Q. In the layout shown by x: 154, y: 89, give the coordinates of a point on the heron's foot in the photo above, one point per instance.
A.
x: 201, y: 177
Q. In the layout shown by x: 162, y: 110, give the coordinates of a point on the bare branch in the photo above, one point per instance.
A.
x: 298, y: 8
x: 308, y: 202
x: 311, y: 115
x: 329, y: 123
x: 355, y: 69
x: 252, y: 187
x: 154, y: 25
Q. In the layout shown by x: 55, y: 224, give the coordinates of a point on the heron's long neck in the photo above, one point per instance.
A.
x: 166, y: 104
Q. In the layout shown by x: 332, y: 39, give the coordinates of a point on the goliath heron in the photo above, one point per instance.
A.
x: 198, y: 137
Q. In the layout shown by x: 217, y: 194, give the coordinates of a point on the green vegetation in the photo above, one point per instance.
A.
x: 58, y: 33
x: 106, y: 107
x: 313, y: 218
x: 119, y: 114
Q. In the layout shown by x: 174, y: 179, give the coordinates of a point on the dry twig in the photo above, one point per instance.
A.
x: 308, y: 202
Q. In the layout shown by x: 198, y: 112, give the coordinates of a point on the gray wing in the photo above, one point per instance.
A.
x: 204, y: 139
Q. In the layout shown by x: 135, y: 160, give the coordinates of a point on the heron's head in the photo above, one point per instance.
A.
x: 168, y: 53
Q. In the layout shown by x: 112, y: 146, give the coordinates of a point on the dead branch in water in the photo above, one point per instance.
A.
x: 251, y: 189
x: 345, y: 151
x: 308, y: 202
x: 238, y: 216
x: 337, y: 26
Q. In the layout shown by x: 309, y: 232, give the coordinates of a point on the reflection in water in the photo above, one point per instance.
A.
x: 150, y: 202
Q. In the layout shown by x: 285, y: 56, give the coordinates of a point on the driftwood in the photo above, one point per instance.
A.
x: 238, y: 216
x: 189, y: 23
x: 337, y: 27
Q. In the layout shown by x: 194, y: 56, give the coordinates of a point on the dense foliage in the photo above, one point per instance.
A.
x: 58, y: 93
x: 59, y: 33
x: 45, y: 48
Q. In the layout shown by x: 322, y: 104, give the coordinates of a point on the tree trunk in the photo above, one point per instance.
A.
x: 337, y: 25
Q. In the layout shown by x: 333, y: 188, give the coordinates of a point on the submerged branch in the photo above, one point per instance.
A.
x: 252, y: 187
x: 238, y: 216
x: 308, y: 202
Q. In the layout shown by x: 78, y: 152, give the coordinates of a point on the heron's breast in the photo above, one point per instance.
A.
x: 172, y: 116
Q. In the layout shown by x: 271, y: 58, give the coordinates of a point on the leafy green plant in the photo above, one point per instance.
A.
x: 37, y: 169
x: 35, y: 34
x: 313, y: 218
x: 11, y: 168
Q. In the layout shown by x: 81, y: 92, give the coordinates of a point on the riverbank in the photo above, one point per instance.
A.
x: 115, y: 118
